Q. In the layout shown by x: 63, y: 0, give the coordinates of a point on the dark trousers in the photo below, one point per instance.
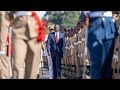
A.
x: 101, y: 59
x: 106, y: 70
x: 101, y: 40
x: 56, y: 65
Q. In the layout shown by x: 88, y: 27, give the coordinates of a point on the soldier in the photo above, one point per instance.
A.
x: 50, y: 63
x: 116, y: 57
x: 78, y: 48
x: 27, y: 36
x: 101, y: 39
x: 65, y: 53
x: 4, y: 62
x: 68, y: 63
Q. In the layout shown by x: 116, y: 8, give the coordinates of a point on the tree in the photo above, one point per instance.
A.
x: 63, y: 18
x: 70, y: 18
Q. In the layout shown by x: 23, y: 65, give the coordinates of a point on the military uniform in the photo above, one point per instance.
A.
x: 116, y: 56
x: 77, y: 61
x: 26, y: 49
x: 101, y: 38
x: 4, y: 62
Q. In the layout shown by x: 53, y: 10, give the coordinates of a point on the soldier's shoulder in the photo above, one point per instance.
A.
x: 51, y: 33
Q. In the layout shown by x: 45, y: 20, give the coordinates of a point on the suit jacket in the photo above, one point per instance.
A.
x: 56, y: 48
x: 24, y: 27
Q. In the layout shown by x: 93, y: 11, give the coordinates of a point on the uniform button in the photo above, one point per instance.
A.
x: 113, y: 20
x: 103, y: 19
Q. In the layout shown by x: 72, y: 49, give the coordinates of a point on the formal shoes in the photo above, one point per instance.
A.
x: 38, y: 76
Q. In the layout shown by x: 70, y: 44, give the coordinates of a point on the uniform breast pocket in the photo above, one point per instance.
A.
x: 19, y: 22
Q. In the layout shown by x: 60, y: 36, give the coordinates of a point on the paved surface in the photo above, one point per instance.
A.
x: 44, y: 74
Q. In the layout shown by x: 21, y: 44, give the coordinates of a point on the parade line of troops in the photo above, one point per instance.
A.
x: 20, y: 54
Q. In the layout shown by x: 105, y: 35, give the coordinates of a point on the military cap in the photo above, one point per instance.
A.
x: 51, y: 27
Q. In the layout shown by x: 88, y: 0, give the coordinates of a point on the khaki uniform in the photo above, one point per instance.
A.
x: 77, y: 61
x: 116, y: 57
x: 80, y: 48
x: 68, y: 57
x: 74, y: 63
x: 4, y: 62
x: 26, y: 49
x: 65, y: 57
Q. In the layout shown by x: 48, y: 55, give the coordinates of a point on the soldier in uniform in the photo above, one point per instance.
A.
x: 50, y: 63
x: 71, y: 55
x: 4, y: 62
x: 78, y: 48
x: 102, y: 32
x: 27, y: 36
x: 65, y: 53
x: 69, y: 61
x: 116, y: 56
x: 68, y: 54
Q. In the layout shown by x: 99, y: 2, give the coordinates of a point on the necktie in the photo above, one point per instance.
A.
x: 56, y: 37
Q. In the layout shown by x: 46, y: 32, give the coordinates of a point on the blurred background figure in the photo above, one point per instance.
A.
x: 102, y: 32
x: 5, y: 63
x: 50, y: 63
x: 28, y: 33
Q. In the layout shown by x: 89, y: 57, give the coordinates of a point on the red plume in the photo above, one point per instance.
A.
x: 41, y: 32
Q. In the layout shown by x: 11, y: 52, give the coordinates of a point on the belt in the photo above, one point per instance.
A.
x: 22, y: 13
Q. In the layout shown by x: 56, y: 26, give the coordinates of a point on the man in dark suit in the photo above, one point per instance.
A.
x: 102, y: 32
x: 55, y: 46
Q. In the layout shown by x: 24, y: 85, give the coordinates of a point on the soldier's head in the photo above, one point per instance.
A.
x: 65, y: 31
x: 51, y: 28
x: 57, y: 28
x: 79, y: 26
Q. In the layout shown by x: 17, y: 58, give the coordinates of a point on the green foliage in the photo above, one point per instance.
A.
x: 64, y: 19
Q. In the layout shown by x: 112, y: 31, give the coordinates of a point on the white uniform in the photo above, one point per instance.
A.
x: 50, y: 63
